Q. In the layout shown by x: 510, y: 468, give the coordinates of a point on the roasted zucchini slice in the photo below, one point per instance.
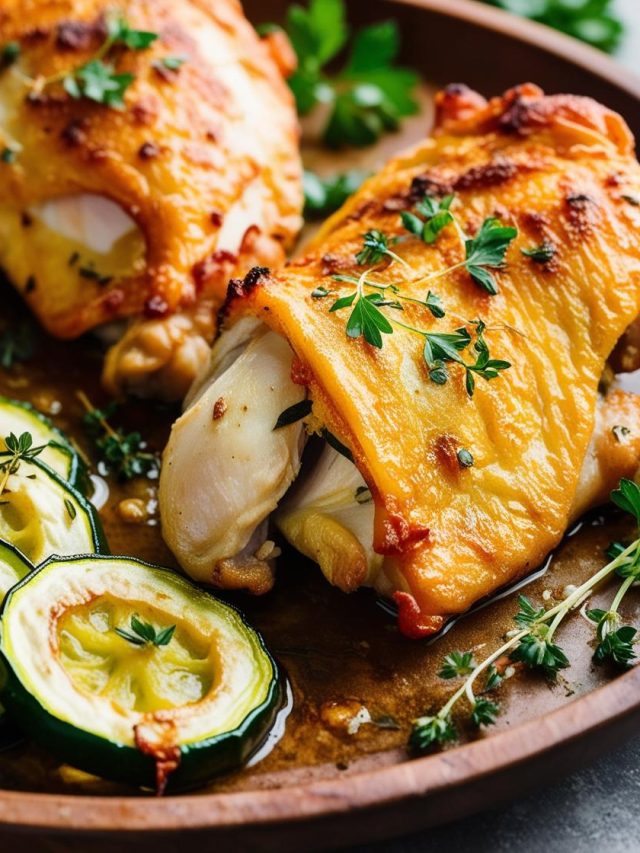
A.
x: 13, y: 567
x: 18, y: 417
x: 130, y: 672
x: 42, y: 515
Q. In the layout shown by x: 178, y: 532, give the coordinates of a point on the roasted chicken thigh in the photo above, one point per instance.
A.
x: 458, y: 425
x: 140, y: 207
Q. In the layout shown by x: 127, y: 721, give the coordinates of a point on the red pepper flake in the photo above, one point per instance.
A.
x: 219, y: 408
x: 155, y: 307
x: 217, y: 218
x: 113, y: 300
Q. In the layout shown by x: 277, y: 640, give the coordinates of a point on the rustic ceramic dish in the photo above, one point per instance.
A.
x: 321, y: 786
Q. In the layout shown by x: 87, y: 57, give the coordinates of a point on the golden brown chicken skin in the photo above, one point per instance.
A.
x: 561, y: 170
x: 202, y: 161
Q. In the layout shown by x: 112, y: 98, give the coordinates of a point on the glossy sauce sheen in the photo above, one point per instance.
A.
x: 341, y: 652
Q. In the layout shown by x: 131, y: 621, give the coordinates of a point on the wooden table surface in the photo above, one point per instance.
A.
x: 594, y: 810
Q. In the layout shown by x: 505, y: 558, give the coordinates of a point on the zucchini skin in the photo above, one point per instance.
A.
x: 78, y: 476
x: 200, y: 762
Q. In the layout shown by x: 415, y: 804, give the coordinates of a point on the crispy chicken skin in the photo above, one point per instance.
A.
x: 202, y: 162
x: 560, y: 169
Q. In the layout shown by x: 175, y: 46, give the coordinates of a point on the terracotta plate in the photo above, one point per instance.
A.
x: 321, y: 786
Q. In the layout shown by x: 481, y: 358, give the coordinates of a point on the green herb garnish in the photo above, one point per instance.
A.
x: 434, y: 216
x: 457, y: 664
x: 19, y: 449
x: 465, y: 459
x: 9, y: 54
x: 143, y: 633
x: 171, y: 63
x: 323, y: 196
x: 541, y: 254
x: 294, y: 414
x: 8, y: 155
x: 369, y: 95
x: 592, y: 21
x: 486, y: 252
x: 122, y: 454
x: 532, y: 643
x: 97, y: 80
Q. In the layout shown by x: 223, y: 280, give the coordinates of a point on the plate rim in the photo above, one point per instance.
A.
x: 488, y: 756
x: 483, y: 758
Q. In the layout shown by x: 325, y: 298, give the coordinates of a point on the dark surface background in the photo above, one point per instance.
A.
x: 597, y: 809
x: 594, y: 810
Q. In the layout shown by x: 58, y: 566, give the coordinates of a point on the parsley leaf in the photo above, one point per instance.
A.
x: 437, y: 215
x: 486, y: 252
x: 457, y: 664
x: 592, y: 21
x: 434, y: 304
x: 627, y: 497
x: 323, y: 196
x: 368, y: 321
x: 369, y: 95
x: 97, y: 81
x: 121, y: 32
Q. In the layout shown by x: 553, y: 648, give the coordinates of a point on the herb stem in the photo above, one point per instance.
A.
x: 557, y: 613
x: 624, y: 588
x: 578, y: 595
x: 90, y: 408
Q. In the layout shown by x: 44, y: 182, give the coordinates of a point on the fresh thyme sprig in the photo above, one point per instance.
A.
x: 532, y: 642
x: 18, y: 449
x: 97, y: 79
x: 144, y: 634
x: 122, y: 453
x: 615, y: 640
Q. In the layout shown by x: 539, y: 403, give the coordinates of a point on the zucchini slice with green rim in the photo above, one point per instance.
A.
x: 17, y: 417
x: 130, y: 672
x: 42, y: 515
x: 13, y: 567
